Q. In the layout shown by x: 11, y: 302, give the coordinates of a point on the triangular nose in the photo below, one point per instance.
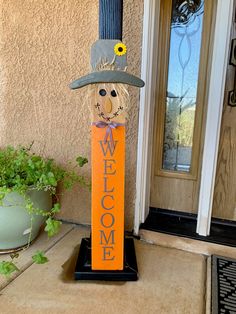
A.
x: 108, y: 105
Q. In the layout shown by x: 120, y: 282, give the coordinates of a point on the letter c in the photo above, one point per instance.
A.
x: 103, y: 202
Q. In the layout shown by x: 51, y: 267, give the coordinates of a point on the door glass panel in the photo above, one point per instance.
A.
x: 181, y: 94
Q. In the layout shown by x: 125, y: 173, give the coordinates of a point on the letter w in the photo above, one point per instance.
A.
x: 107, y: 239
x: 108, y: 147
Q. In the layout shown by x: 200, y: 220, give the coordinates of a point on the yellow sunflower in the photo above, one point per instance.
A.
x: 120, y: 49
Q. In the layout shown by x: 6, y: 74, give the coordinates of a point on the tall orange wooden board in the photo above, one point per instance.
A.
x: 108, y: 177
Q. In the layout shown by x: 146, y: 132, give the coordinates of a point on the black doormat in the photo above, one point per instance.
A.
x: 223, y: 285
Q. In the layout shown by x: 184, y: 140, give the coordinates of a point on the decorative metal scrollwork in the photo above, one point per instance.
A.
x: 232, y: 93
x: 185, y: 10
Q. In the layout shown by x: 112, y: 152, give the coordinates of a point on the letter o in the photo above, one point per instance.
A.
x: 112, y: 220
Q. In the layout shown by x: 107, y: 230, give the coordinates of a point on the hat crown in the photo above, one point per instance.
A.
x: 103, y: 55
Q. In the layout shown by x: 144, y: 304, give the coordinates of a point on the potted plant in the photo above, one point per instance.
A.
x: 28, y: 199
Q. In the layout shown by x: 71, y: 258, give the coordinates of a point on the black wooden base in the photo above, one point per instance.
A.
x: 83, y: 269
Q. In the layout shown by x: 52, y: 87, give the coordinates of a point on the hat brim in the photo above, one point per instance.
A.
x: 107, y: 77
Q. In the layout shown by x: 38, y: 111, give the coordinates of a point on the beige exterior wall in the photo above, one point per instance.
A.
x: 44, y: 45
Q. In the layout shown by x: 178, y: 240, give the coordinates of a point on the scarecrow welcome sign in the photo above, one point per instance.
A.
x: 108, y: 255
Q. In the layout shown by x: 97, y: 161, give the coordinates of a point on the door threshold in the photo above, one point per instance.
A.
x: 184, y: 225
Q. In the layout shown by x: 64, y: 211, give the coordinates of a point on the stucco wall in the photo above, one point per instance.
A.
x: 44, y: 45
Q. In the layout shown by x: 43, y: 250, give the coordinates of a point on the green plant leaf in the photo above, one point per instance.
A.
x: 51, y: 179
x: 39, y: 258
x: 7, y: 268
x: 81, y: 161
x: 52, y: 227
x: 56, y: 208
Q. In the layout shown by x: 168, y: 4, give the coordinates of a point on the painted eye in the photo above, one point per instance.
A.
x: 102, y: 92
x: 113, y: 93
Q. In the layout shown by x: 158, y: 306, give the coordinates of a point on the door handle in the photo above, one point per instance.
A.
x: 232, y: 61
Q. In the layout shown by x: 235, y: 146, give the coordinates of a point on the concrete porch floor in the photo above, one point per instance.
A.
x: 171, y: 281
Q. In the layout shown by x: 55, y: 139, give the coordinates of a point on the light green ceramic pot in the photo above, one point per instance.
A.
x: 15, y: 221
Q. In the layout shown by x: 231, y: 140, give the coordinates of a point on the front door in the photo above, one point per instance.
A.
x: 185, y: 42
x: 224, y: 202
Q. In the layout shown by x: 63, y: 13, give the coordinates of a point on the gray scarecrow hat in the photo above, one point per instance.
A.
x: 109, y: 62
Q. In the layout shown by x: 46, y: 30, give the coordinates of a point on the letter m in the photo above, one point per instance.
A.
x: 109, y: 239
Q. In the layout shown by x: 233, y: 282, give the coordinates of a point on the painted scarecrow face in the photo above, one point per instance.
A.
x: 110, y: 101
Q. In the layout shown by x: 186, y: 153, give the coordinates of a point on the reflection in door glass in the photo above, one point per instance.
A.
x: 184, y: 58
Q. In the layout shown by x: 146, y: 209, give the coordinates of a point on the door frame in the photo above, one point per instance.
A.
x: 224, y: 13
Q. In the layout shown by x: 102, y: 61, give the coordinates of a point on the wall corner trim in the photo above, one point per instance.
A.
x: 214, y: 113
x: 146, y: 113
